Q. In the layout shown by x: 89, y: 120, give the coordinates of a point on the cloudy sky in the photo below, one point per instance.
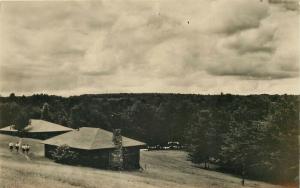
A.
x: 173, y: 46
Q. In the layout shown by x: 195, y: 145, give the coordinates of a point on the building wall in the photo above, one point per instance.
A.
x: 131, y: 158
x: 10, y: 133
x: 43, y: 135
x: 94, y: 158
x: 48, y: 149
x: 101, y: 158
x: 40, y: 136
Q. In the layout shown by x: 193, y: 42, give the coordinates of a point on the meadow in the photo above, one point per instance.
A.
x: 168, y: 169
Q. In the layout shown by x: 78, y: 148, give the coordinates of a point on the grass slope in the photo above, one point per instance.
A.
x: 167, y: 169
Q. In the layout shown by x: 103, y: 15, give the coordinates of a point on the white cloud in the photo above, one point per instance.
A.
x: 196, y: 46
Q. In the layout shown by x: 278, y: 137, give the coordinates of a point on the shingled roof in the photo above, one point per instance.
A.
x: 90, y: 138
x: 39, y: 126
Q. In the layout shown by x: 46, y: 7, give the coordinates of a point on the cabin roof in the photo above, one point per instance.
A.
x: 39, y: 126
x: 90, y: 139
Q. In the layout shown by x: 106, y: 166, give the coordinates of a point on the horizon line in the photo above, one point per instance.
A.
x: 146, y: 93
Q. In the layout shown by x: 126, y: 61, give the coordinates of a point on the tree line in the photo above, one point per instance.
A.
x: 254, y: 136
x: 257, y: 138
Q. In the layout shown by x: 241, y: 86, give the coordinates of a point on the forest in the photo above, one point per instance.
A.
x: 253, y: 136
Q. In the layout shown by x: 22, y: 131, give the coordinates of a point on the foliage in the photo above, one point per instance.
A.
x: 45, y: 112
x: 282, y: 141
x: 76, y: 116
x: 63, y: 154
x: 255, y: 142
x: 202, y: 138
x: 8, y: 112
x: 21, y: 120
x: 242, y: 147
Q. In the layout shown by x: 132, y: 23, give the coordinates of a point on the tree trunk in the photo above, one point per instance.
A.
x: 207, y: 162
x: 243, y: 174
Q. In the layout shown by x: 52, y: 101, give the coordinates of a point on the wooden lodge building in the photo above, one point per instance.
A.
x: 96, y: 147
x: 38, y: 129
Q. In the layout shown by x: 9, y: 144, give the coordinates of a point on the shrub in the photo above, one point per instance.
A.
x: 63, y: 154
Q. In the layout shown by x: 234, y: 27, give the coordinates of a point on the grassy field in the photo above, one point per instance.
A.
x: 168, y: 169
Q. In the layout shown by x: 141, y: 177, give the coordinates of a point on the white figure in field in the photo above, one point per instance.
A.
x: 17, y: 147
x: 27, y: 148
x: 11, y: 146
x: 23, y: 147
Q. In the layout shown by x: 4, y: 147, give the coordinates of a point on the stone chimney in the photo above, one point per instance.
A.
x: 117, y: 138
x: 116, y: 157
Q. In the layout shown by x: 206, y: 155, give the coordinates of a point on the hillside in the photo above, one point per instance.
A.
x: 162, y: 169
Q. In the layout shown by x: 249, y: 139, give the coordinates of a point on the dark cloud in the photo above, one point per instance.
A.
x: 67, y: 52
x: 236, y: 16
x: 257, y: 42
x: 97, y: 73
x: 292, y: 5
x: 254, y: 73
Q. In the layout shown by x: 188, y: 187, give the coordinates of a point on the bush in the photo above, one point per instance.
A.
x: 63, y: 154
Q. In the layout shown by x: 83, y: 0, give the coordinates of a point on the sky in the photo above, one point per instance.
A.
x: 149, y: 46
